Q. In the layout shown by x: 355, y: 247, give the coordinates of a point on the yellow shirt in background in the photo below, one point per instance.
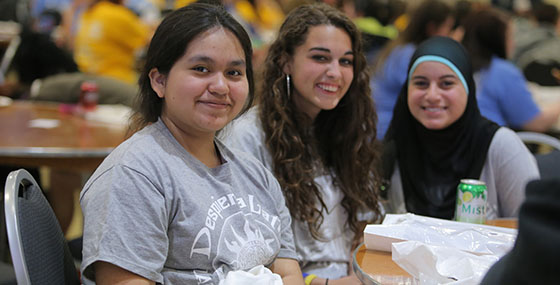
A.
x: 108, y: 40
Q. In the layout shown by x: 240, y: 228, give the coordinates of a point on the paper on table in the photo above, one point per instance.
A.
x: 478, y: 239
x: 110, y: 114
x: 44, y: 123
x: 5, y: 101
x: 431, y: 264
x: 256, y: 275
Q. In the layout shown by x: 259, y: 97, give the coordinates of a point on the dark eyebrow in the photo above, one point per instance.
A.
x: 209, y: 60
x: 238, y: 63
x: 449, y: 75
x: 202, y: 58
x: 320, y: 49
x: 419, y: 77
x: 441, y: 77
x: 328, y: 50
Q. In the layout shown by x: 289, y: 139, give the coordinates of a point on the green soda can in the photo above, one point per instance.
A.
x: 471, y: 201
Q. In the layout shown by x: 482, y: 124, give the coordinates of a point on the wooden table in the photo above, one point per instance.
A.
x: 73, y: 148
x: 378, y: 267
x: 75, y: 144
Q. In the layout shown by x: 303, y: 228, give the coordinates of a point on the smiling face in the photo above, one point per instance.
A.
x: 436, y: 96
x: 207, y: 87
x: 321, y: 69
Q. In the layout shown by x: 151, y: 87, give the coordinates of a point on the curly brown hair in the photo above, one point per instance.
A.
x: 344, y: 138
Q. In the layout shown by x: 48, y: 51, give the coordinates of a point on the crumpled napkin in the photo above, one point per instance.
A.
x: 44, y: 123
x: 256, y: 275
x: 431, y: 264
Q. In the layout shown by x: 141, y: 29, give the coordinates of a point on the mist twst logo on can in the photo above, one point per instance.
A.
x: 471, y: 201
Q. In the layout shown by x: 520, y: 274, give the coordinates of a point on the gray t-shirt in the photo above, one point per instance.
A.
x: 155, y: 210
x: 329, y: 257
x: 508, y: 168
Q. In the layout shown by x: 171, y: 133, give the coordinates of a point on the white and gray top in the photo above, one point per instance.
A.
x: 329, y: 257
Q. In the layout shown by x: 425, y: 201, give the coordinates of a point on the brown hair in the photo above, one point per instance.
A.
x: 340, y: 142
x: 485, y: 36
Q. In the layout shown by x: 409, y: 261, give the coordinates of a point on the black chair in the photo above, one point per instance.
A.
x: 38, y: 248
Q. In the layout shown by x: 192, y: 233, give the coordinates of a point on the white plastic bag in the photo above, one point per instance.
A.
x: 474, y: 238
x: 256, y: 275
x: 431, y: 264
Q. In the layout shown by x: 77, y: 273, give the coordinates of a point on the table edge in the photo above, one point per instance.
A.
x: 53, y: 152
x: 363, y: 276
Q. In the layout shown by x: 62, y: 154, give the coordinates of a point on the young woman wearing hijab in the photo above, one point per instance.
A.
x: 438, y: 137
x: 172, y: 204
x: 314, y: 128
x: 430, y: 18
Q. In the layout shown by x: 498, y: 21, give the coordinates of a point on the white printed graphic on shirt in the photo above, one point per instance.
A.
x: 238, y: 235
x: 248, y: 248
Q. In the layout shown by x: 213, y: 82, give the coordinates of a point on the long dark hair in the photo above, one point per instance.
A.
x: 339, y: 141
x: 170, y: 42
x: 485, y: 36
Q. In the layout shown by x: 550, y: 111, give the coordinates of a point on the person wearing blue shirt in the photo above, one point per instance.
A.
x: 504, y: 96
x: 495, y: 99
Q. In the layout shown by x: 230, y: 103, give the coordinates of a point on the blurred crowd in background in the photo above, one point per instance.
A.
x: 71, y: 40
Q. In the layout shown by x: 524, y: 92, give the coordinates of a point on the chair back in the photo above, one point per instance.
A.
x: 539, y: 138
x: 548, y: 163
x: 39, y: 251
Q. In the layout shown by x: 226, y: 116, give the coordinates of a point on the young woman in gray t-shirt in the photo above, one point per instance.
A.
x: 172, y: 204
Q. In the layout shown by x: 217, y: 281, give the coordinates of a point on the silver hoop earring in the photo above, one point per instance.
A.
x: 288, y: 89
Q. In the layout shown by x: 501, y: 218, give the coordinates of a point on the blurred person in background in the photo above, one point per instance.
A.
x: 44, y: 71
x: 438, y: 137
x: 37, y: 56
x: 430, y: 18
x: 9, y: 11
x: 260, y: 18
x: 314, y: 128
x: 461, y: 9
x: 148, y: 11
x: 38, y: 7
x: 503, y: 94
x: 109, y: 40
x: 375, y: 19
x: 537, y: 46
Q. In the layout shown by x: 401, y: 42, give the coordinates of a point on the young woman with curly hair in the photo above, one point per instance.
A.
x: 314, y: 128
